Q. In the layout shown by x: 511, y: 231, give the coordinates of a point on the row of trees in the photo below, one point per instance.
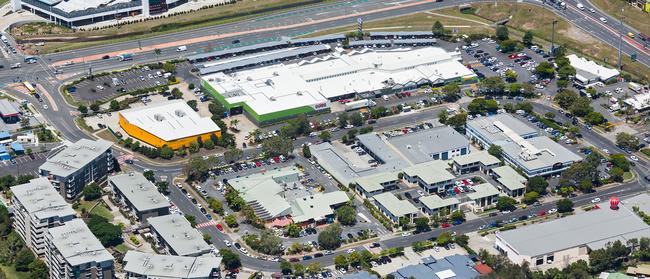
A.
x: 579, y: 106
x: 14, y: 252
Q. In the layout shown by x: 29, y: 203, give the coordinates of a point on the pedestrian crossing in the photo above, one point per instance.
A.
x: 206, y: 224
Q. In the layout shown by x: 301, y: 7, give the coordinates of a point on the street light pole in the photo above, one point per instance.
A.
x: 620, y: 41
x: 553, y: 37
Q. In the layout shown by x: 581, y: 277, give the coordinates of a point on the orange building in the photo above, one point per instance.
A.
x: 171, y: 123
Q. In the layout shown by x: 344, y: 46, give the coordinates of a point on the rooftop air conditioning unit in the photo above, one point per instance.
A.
x: 179, y: 113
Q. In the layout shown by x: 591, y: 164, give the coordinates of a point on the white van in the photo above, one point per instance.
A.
x: 181, y: 48
x: 580, y: 6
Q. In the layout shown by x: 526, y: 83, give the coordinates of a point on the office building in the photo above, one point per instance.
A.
x: 476, y: 161
x: 373, y: 184
x: 171, y: 123
x: 395, y: 208
x: 138, y: 196
x: 174, y: 235
x: 139, y: 265
x: 74, y: 252
x: 38, y: 207
x: 439, y: 143
x: 454, y: 266
x: 432, y: 176
x: 509, y: 180
x: 78, y: 165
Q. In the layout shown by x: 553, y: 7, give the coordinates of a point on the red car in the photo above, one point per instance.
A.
x: 541, y: 213
x: 445, y: 225
x: 219, y: 227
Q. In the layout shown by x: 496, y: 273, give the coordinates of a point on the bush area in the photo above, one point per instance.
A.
x: 14, y: 253
x: 375, y: 213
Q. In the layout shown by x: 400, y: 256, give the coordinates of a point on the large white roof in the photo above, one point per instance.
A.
x: 274, y: 88
x: 591, y: 67
x: 80, y: 5
x: 639, y: 101
x: 170, y: 120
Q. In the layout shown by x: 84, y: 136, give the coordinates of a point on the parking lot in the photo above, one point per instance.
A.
x: 106, y: 87
x: 23, y: 165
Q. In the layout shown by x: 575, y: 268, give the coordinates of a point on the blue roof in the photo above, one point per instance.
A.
x: 359, y: 275
x: 3, y: 149
x: 460, y: 265
x: 16, y: 146
x: 4, y: 134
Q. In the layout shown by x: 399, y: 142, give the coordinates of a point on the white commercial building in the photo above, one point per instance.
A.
x: 279, y: 91
x: 395, y: 208
x: 138, y: 196
x: 74, y: 252
x: 174, y: 234
x: 153, y: 266
x: 588, y: 72
x: 639, y: 102
x: 37, y: 207
x: 563, y: 241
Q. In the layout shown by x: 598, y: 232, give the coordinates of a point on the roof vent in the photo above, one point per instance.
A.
x: 158, y: 117
x: 179, y: 113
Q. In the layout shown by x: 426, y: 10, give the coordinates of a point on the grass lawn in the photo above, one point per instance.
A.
x: 627, y: 176
x: 122, y: 248
x: 646, y: 151
x: 11, y: 273
x: 100, y: 210
x: 632, y: 16
x: 243, y: 9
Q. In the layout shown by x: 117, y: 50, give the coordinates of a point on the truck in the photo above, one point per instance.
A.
x: 30, y: 59
x: 181, y: 48
x: 580, y: 6
x: 359, y: 104
x: 635, y: 87
x: 125, y: 57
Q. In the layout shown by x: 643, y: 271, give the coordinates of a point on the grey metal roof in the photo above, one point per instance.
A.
x: 454, y: 266
x: 478, y: 156
x: 379, y: 148
x: 592, y: 227
x: 401, y: 33
x: 484, y: 126
x: 7, y: 108
x: 394, y: 205
x: 431, y: 172
x: 40, y: 199
x: 316, y: 206
x: 75, y: 156
x: 178, y: 233
x: 435, y: 202
x: 139, y: 191
x: 482, y: 191
x: 77, y: 244
x: 373, y: 182
x: 359, y: 275
x: 510, y: 178
x: 237, y: 50
x: 418, y: 146
x: 331, y: 37
x: 393, y: 42
x: 239, y: 62
x: 167, y: 266
x: 550, y: 153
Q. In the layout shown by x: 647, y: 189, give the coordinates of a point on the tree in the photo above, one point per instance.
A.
x: 163, y: 187
x: 581, y: 107
x: 378, y: 112
x: 595, y: 118
x: 627, y: 141
x: 444, y: 238
x: 95, y: 107
x: 537, y: 184
x: 166, y: 152
x: 422, y: 224
x: 530, y: 197
x: 493, y: 85
x: 313, y: 268
x: 92, y: 192
x: 233, y: 123
x: 341, y: 261
x: 458, y: 121
x: 330, y: 237
x: 229, y: 259
x: 565, y: 71
x: 502, y: 33
x: 208, y: 144
x: 442, y: 116
x: 197, y: 169
x: 169, y: 67
x: 193, y: 104
x: 83, y: 109
x: 149, y: 175
x: 506, y: 203
x: 114, y: 105
x: 458, y: 216
x: 285, y: 267
x: 293, y: 230
x: 496, y: 151
x: 343, y: 120
x: 564, y: 205
x: 528, y: 38
x: 545, y: 70
x: 107, y: 233
x: 356, y: 119
x: 346, y: 215
x: 525, y: 106
x: 194, y: 147
x: 511, y: 76
x: 619, y: 161
x: 276, y: 146
x: 549, y: 115
x: 508, y: 46
x: 438, y: 29
x: 231, y: 221
x: 325, y: 136
x: 451, y: 92
x: 566, y: 98
x: 177, y: 94
x: 269, y: 243
x: 38, y: 270
x: 233, y: 154
x: 23, y: 259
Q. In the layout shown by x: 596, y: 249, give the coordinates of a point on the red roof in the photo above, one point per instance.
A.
x: 483, y: 268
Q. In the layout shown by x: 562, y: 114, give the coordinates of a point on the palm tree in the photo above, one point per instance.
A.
x: 233, y: 123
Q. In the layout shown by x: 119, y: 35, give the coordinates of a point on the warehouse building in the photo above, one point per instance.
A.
x: 454, y: 266
x: 171, y: 123
x: 274, y: 93
x: 138, y: 196
x: 174, y: 234
x: 78, y: 165
x: 440, y: 143
x: 395, y: 208
x: 522, y: 146
x: 38, y: 207
x: 145, y: 265
x: 589, y: 72
x: 8, y: 112
x: 563, y: 241
x: 74, y: 252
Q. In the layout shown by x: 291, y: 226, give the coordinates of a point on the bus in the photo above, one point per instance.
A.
x: 125, y: 57
x: 29, y: 87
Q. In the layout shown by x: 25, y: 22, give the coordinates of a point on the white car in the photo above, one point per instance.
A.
x: 634, y: 158
x: 226, y: 242
x: 604, y: 20
x: 606, y: 151
x: 595, y: 200
x: 350, y: 251
x: 405, y: 234
x: 553, y: 210
x: 45, y: 107
x: 592, y: 10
